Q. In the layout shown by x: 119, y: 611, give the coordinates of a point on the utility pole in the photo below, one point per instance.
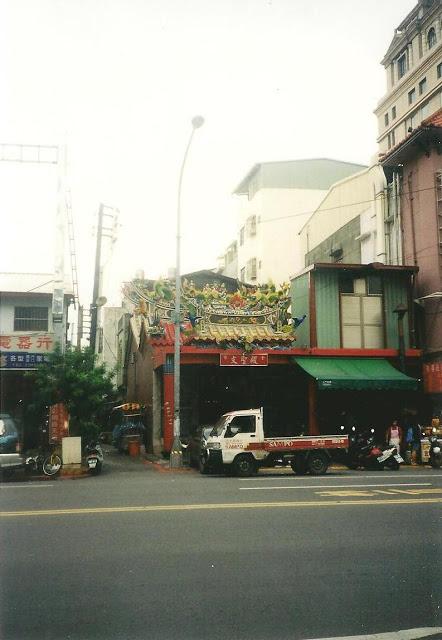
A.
x: 97, y: 301
x: 95, y: 294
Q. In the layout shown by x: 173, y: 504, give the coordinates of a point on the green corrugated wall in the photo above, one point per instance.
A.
x: 300, y: 305
x: 327, y: 309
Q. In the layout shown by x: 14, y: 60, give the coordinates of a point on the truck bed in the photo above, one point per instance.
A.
x: 301, y: 442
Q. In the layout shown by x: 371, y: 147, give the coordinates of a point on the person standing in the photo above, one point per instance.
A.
x: 393, y: 435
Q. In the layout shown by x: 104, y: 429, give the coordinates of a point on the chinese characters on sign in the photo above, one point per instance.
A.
x: 433, y: 377
x: 58, y: 422
x: 20, y: 360
x: 40, y: 342
x: 243, y: 360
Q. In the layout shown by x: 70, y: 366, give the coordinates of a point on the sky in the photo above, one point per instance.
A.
x: 118, y: 82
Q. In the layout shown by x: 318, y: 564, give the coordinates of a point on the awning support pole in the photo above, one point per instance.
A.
x: 313, y: 427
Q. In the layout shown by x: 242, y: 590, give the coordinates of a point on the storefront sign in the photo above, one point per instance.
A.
x: 21, y: 360
x: 35, y: 343
x: 433, y: 377
x: 243, y: 360
x: 58, y: 422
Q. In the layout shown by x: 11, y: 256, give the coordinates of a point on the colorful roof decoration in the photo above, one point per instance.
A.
x: 245, y: 318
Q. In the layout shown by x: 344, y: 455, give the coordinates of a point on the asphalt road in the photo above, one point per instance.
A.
x: 138, y: 553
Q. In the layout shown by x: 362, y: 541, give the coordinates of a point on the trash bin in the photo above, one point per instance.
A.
x: 134, y: 446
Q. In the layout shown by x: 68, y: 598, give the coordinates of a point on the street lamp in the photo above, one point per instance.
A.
x: 401, y: 310
x: 176, y: 454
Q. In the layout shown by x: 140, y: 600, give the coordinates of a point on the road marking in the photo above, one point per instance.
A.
x: 329, y: 476
x: 41, y: 485
x: 215, y: 507
x: 373, y: 492
x: 405, y: 634
x: 340, y: 486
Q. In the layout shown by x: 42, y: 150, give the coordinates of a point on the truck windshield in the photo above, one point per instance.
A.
x: 219, y: 426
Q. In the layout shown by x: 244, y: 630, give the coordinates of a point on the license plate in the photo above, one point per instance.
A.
x: 398, y: 458
x: 92, y: 463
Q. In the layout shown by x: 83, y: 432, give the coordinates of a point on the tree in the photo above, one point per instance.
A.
x: 74, y: 379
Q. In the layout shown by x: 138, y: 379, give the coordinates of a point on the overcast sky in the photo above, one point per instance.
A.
x: 119, y: 81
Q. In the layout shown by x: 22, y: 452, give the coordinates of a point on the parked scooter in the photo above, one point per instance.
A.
x: 391, y: 458
x: 363, y: 452
x: 435, y: 458
x: 94, y: 457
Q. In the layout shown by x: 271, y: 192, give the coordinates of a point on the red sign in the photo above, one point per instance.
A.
x: 433, y: 377
x: 58, y: 422
x: 243, y: 360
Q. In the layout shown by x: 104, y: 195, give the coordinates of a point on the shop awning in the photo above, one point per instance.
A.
x: 359, y: 374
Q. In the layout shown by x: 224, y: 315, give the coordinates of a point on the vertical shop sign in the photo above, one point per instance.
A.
x: 433, y: 377
x: 58, y: 422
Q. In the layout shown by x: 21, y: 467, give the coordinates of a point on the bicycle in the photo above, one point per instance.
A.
x: 50, y: 463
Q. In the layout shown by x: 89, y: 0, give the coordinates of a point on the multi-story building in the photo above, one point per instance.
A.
x: 413, y: 65
x: 275, y: 200
x: 410, y: 136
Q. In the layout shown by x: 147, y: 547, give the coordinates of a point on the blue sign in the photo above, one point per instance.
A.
x: 20, y: 360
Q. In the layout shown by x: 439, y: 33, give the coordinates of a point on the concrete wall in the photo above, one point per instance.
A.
x: 9, y: 301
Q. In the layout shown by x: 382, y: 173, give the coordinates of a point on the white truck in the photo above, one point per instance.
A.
x: 237, y: 443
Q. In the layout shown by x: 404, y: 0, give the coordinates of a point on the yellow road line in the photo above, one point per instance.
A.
x: 215, y: 507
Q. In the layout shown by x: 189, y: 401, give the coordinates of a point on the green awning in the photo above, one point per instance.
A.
x: 360, y: 374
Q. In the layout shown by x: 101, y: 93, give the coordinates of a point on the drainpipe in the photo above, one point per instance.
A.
x: 413, y: 230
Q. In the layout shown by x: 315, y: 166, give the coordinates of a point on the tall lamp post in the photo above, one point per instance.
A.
x: 176, y: 454
x: 401, y: 310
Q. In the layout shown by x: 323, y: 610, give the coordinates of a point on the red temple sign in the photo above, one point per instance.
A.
x: 433, y: 377
x: 243, y: 360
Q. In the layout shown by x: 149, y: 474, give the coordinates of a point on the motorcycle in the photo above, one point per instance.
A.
x: 363, y: 452
x: 94, y: 458
x: 391, y: 458
x: 435, y: 458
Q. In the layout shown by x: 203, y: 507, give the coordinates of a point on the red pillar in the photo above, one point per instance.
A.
x: 313, y: 427
x: 168, y: 409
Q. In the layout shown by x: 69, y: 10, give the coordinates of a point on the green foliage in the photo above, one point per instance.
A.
x: 74, y: 379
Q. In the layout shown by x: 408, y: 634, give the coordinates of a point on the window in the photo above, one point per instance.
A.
x: 251, y: 226
x: 241, y: 424
x: 30, y: 319
x: 439, y: 70
x: 393, y: 113
x: 241, y: 236
x: 386, y: 119
x: 243, y: 274
x: 402, y: 65
x: 393, y: 138
x: 425, y: 109
x: 431, y: 37
x: 251, y: 269
x: 412, y: 96
x: 422, y: 86
x: 362, y: 325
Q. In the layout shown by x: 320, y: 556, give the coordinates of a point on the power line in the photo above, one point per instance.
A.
x: 341, y: 206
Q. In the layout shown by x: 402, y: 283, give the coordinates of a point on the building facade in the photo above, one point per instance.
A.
x: 413, y: 67
x: 28, y: 334
x: 349, y: 224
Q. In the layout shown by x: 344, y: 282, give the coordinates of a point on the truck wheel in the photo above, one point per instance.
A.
x: 245, y: 466
x: 299, y: 466
x: 317, y: 464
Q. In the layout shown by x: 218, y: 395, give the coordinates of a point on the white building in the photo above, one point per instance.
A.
x: 27, y: 332
x: 349, y: 224
x: 413, y: 66
x: 275, y: 200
